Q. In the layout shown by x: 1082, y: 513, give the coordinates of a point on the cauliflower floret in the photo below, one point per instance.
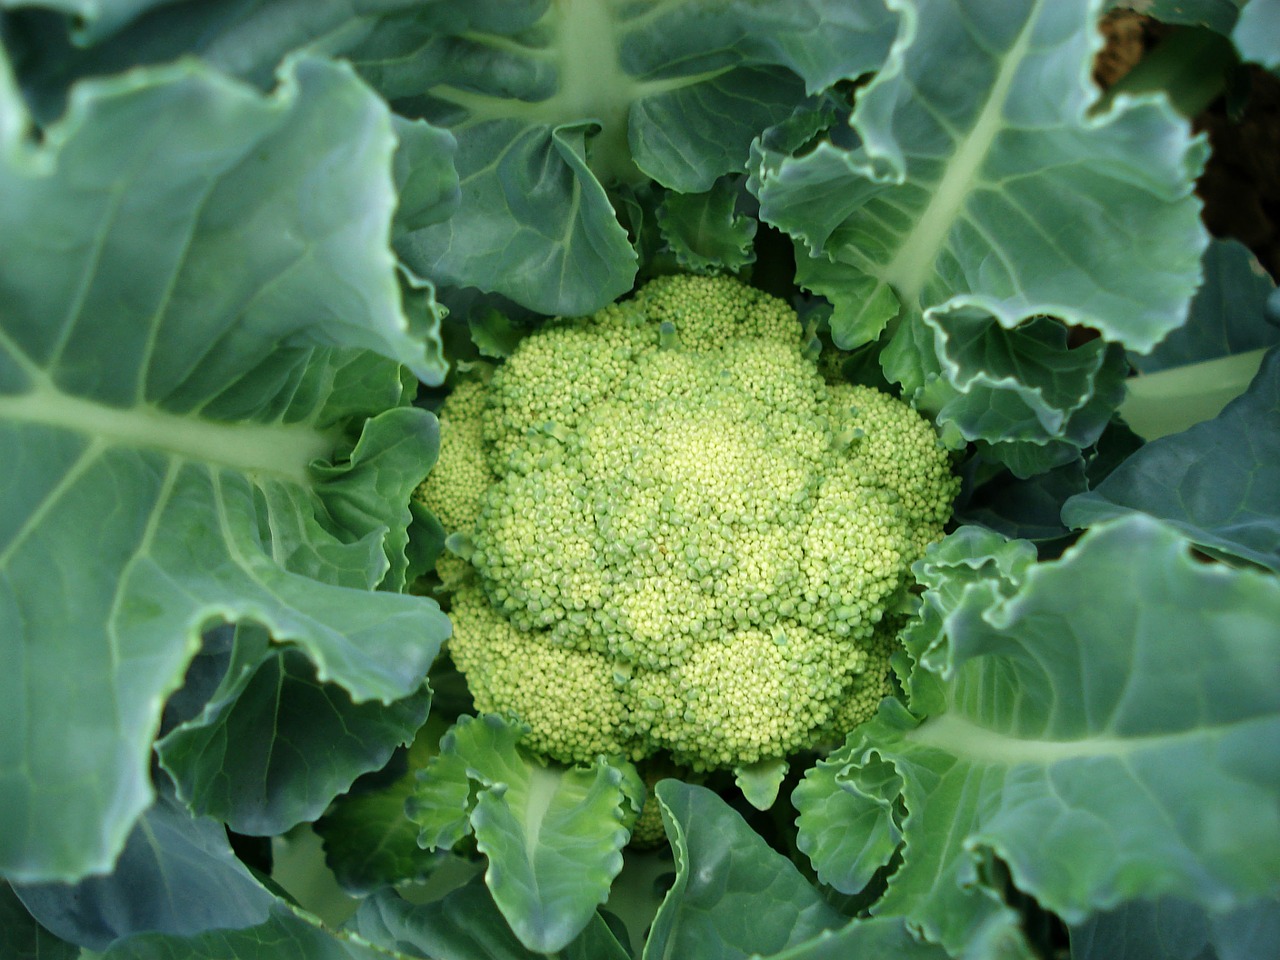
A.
x: 684, y: 540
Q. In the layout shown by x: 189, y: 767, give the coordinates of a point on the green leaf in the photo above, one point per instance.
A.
x: 553, y: 835
x: 1255, y: 34
x: 1217, y: 482
x: 971, y: 192
x: 242, y: 38
x: 875, y: 937
x: 176, y: 875
x: 849, y: 819
x: 495, y: 334
x: 761, y: 781
x: 1228, y: 315
x: 94, y: 19
x: 1031, y: 399
x: 1173, y: 400
x: 1220, y: 15
x: 185, y: 341
x: 320, y: 741
x: 369, y: 841
x: 14, y: 120
x: 733, y: 895
x: 1171, y: 929
x: 705, y: 231
x: 22, y: 938
x: 1068, y: 732
x: 287, y: 934
x: 1027, y: 509
x: 466, y: 925
x: 534, y: 225
x: 426, y: 181
x: 606, y: 95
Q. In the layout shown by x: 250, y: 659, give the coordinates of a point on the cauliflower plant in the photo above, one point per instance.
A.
x: 678, y: 536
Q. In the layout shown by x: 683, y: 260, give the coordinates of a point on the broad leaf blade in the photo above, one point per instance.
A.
x: 733, y: 895
x: 320, y: 742
x: 1068, y: 732
x: 535, y: 225
x: 974, y: 190
x: 466, y: 925
x: 553, y: 835
x: 177, y: 875
x: 95, y: 19
x: 1172, y: 929
x: 1255, y: 34
x: 177, y: 317
x: 1227, y: 316
x: 1217, y: 482
x: 872, y: 938
x: 705, y: 231
x: 23, y: 938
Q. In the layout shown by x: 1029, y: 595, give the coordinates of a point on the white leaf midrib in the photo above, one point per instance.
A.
x: 277, y: 450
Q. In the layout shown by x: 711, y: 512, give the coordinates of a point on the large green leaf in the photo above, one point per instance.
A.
x: 286, y: 934
x: 706, y: 231
x: 553, y: 835
x: 192, y: 277
x: 553, y: 102
x: 1217, y: 482
x: 1227, y: 316
x: 1219, y: 14
x: 466, y: 925
x: 176, y: 875
x: 889, y: 938
x: 178, y: 891
x: 244, y: 38
x: 550, y: 103
x: 1111, y: 731
x: 369, y: 842
x: 988, y: 192
x: 320, y: 741
x: 1172, y: 929
x: 94, y: 19
x: 1255, y: 34
x: 733, y: 895
x: 23, y: 938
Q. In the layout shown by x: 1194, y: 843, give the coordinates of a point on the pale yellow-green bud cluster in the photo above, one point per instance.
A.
x: 683, y: 539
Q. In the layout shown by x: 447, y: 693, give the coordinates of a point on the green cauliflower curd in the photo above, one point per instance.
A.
x: 680, y: 537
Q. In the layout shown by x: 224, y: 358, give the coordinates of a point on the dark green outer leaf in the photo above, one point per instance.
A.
x: 466, y: 925
x: 320, y: 742
x: 872, y: 939
x: 535, y: 226
x: 95, y: 19
x: 369, y: 840
x: 22, y: 938
x: 553, y: 835
x: 285, y: 935
x: 974, y: 182
x: 733, y: 895
x: 426, y: 181
x: 1176, y: 930
x: 242, y: 38
x: 176, y: 875
x: 705, y: 231
x: 1218, y: 482
x: 1068, y: 732
x: 1219, y: 15
x: 1255, y: 34
x: 1227, y: 316
x: 971, y: 191
x: 174, y: 285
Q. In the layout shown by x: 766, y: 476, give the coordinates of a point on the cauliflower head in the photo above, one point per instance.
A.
x: 678, y: 536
